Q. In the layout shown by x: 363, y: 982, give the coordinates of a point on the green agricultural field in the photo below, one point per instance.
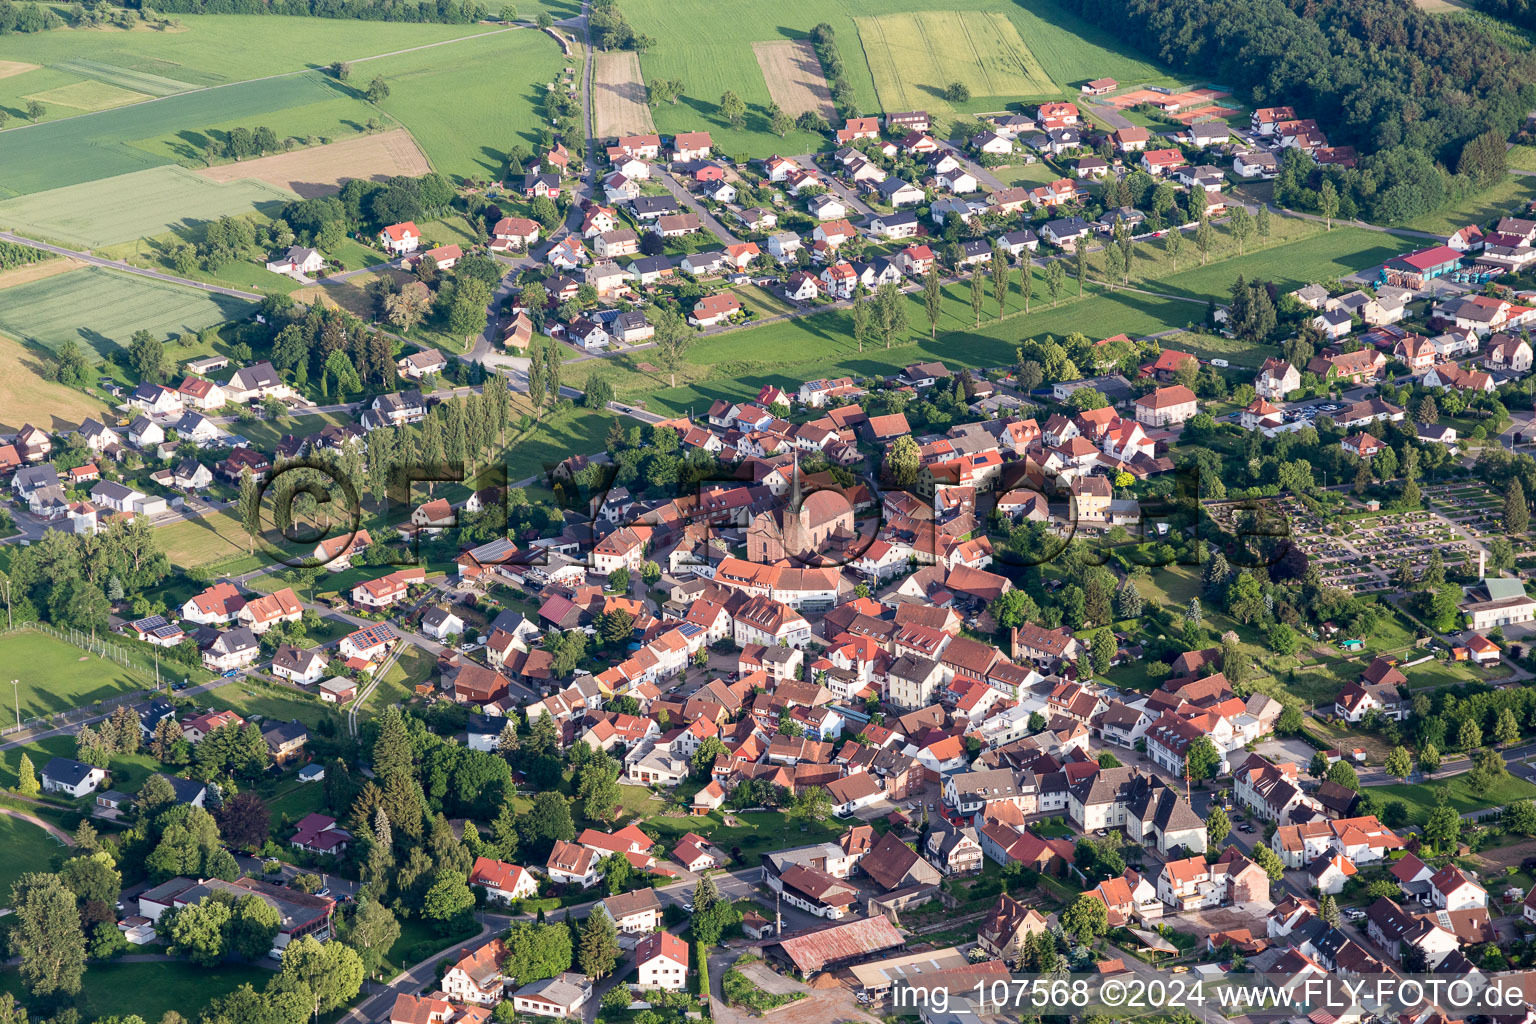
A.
x: 137, y: 205
x: 913, y: 56
x: 87, y: 97
x: 737, y: 364
x: 149, y: 990
x: 709, y: 49
x: 56, y: 676
x: 468, y: 105
x: 101, y: 309
x: 210, y: 50
x: 143, y: 135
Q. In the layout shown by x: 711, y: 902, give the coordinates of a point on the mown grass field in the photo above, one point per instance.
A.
x: 56, y: 676
x: 87, y: 97
x: 150, y: 989
x: 27, y: 396
x: 709, y: 48
x: 101, y: 309
x: 137, y: 205
x: 210, y: 50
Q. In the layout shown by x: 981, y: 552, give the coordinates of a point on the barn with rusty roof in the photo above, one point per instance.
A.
x: 838, y: 946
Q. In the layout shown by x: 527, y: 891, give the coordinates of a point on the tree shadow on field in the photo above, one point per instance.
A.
x: 99, y: 343
x: 192, y: 145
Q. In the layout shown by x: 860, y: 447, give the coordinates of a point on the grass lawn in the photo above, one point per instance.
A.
x: 413, y: 667
x: 150, y: 989
x: 1238, y: 352
x: 1510, y: 194
x: 101, y: 309
x: 1298, y: 252
x: 272, y: 704
x: 128, y: 770
x: 202, y: 541
x: 27, y: 396
x: 1521, y: 158
x: 1421, y: 797
x: 56, y: 676
x: 27, y: 848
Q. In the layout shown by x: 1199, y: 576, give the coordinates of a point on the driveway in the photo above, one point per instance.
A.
x: 685, y: 198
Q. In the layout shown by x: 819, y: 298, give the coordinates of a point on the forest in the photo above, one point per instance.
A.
x: 1418, y: 95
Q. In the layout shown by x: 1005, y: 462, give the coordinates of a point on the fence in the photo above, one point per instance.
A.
x: 91, y: 645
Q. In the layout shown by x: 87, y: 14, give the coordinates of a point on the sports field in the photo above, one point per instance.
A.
x: 56, y: 676
x: 27, y: 396
x: 137, y: 205
x: 914, y: 56
x: 100, y: 309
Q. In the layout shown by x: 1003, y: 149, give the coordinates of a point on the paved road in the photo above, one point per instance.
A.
x: 86, y: 257
x: 843, y: 191
x: 685, y: 198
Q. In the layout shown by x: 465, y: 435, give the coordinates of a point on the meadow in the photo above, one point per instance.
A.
x: 54, y: 154
x: 101, y: 309
x: 27, y: 396
x: 136, y: 205
x: 469, y: 105
x: 56, y: 676
x: 209, y: 50
x: 1509, y: 195
x: 202, y: 541
x: 709, y: 48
